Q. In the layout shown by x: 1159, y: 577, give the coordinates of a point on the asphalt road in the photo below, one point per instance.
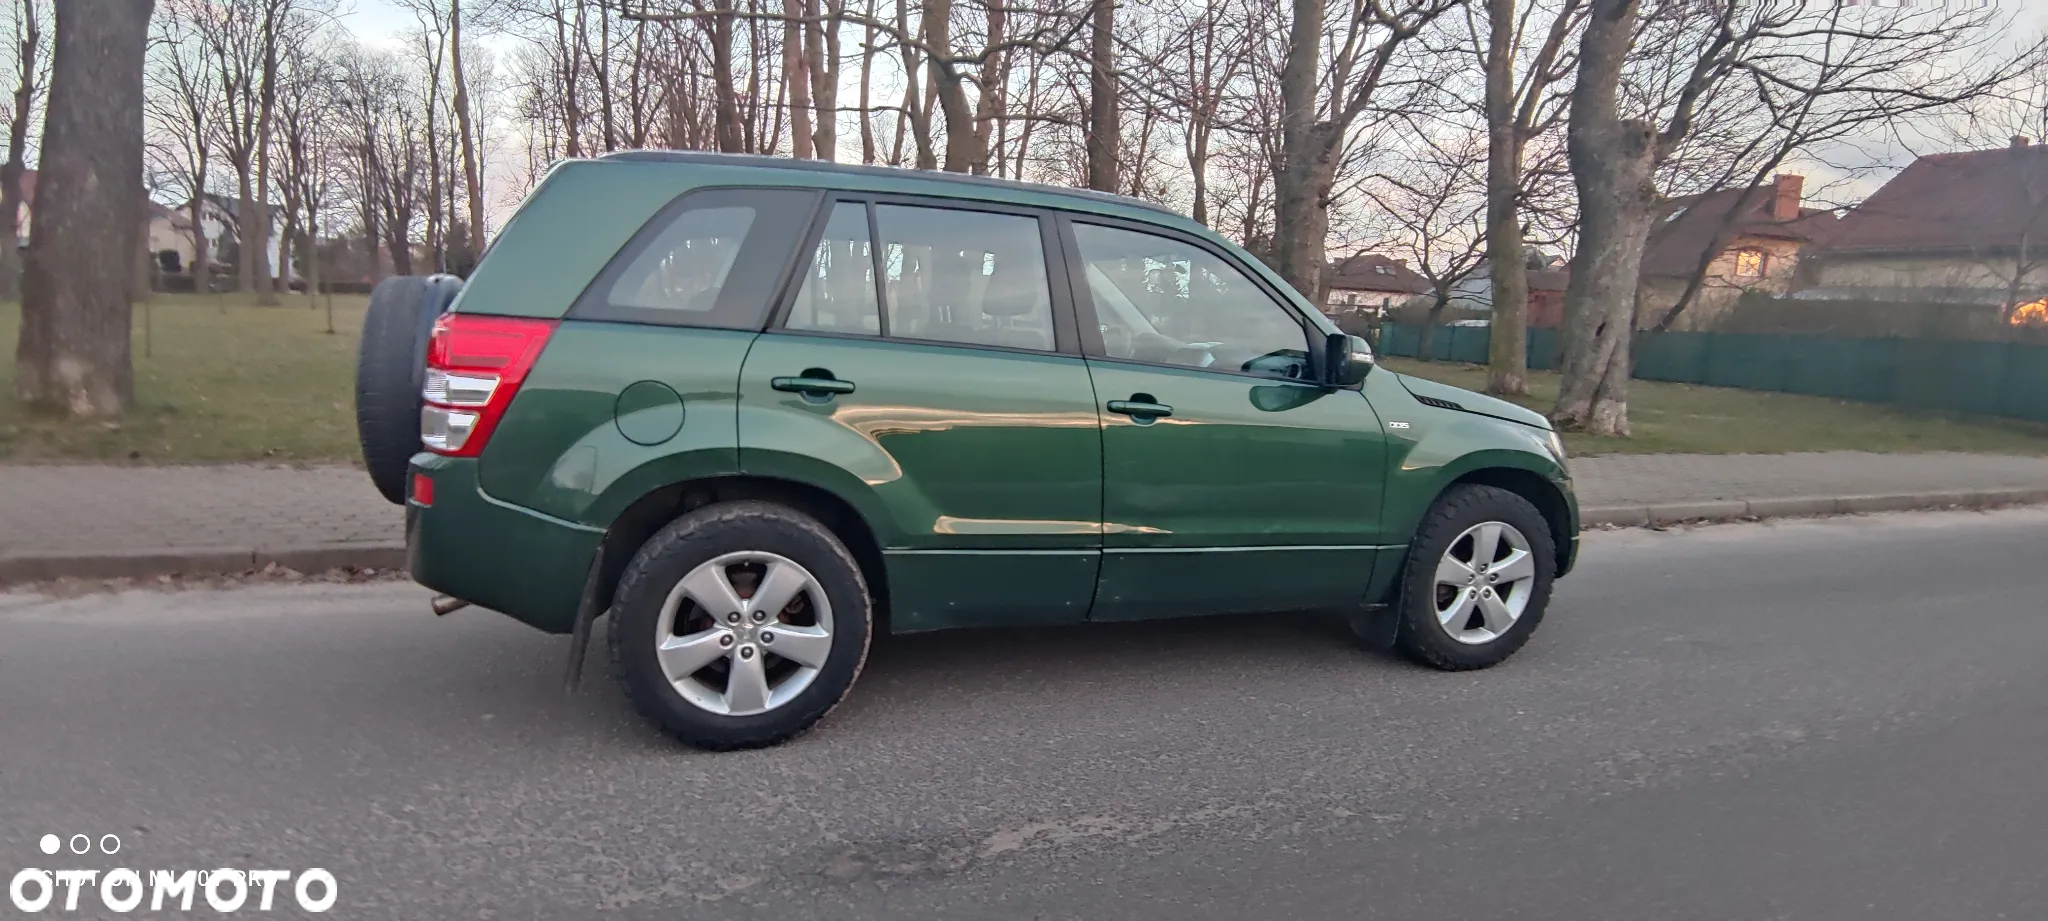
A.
x: 1806, y: 720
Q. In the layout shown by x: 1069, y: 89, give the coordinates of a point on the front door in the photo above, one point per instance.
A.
x: 1232, y: 481
x: 954, y: 400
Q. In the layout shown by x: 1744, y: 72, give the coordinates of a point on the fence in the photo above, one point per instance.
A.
x: 1979, y: 378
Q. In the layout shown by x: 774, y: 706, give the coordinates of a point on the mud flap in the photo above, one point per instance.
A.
x: 586, y: 614
x: 1376, y: 625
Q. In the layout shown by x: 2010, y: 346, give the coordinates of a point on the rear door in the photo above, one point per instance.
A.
x: 939, y: 373
x: 1232, y: 481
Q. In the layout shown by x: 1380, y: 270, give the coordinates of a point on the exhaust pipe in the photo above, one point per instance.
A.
x: 447, y: 604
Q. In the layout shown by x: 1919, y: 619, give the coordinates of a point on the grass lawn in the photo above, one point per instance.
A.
x: 1682, y: 418
x: 220, y: 380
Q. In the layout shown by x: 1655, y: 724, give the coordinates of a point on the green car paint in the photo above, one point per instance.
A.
x: 992, y: 484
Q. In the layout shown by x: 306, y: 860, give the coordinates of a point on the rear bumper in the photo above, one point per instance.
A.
x: 512, y: 560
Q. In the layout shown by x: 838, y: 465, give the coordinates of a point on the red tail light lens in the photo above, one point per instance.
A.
x: 475, y: 365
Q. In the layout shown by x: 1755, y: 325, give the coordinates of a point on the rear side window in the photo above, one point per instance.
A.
x: 713, y: 258
x: 972, y: 277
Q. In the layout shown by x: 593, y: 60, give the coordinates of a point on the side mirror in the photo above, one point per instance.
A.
x: 1346, y: 360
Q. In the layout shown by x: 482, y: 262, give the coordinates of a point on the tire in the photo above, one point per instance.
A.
x: 701, y: 542
x: 1476, y: 639
x: 391, y: 367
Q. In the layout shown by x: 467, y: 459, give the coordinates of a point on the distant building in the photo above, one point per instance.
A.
x: 1760, y: 250
x: 1546, y: 290
x: 1368, y: 285
x: 1953, y: 227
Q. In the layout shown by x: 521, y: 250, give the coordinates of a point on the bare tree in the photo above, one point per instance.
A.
x: 1519, y: 108
x: 182, y: 103
x: 1433, y: 208
x: 31, y: 76
x: 1321, y: 104
x: 74, y: 355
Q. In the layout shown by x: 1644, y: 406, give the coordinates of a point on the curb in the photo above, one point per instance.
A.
x: 1637, y: 516
x: 205, y: 561
x: 221, y: 561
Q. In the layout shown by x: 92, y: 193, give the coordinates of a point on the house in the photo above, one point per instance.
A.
x: 170, y: 231
x: 1547, y: 277
x: 1969, y: 227
x: 1369, y: 285
x: 1752, y: 239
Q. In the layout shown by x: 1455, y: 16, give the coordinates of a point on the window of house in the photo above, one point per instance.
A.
x: 1749, y: 263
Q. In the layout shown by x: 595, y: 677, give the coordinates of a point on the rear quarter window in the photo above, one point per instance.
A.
x: 713, y: 258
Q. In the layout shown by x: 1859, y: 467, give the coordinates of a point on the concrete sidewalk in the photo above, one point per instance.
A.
x: 107, y: 522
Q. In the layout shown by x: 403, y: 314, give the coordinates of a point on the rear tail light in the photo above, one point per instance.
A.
x: 475, y: 365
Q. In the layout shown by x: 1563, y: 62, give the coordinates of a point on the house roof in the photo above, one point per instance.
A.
x: 1549, y: 279
x: 1953, y: 202
x: 1373, y: 272
x: 1686, y: 226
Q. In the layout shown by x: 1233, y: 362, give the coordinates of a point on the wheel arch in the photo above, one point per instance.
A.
x: 1549, y: 499
x: 653, y: 511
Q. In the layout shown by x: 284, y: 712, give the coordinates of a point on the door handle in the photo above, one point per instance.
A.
x: 811, y: 386
x: 1141, y: 406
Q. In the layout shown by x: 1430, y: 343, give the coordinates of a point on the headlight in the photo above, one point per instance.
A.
x: 1556, y: 446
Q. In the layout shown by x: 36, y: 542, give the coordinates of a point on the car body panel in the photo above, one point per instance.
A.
x: 1256, y: 494
x: 974, y: 462
x: 560, y: 449
x: 496, y: 554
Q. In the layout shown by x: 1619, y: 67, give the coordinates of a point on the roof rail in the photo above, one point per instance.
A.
x: 763, y: 161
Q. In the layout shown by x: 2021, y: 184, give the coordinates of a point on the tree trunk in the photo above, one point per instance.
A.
x: 75, y: 351
x: 796, y: 79
x: 1508, y: 347
x: 821, y: 51
x: 1612, y: 161
x: 1426, y: 337
x: 202, y: 269
x: 867, y: 87
x: 1300, y: 191
x: 258, y: 252
x: 945, y: 85
x: 472, y: 174
x: 989, y: 108
x: 1103, y: 126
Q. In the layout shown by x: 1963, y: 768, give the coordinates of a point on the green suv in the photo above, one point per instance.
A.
x: 757, y: 409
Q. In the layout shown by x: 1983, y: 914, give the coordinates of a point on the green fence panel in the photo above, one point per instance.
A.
x: 1397, y: 340
x: 1471, y: 344
x: 1843, y: 369
x: 1747, y: 362
x: 2024, y: 392
x: 1678, y: 357
x: 1544, y: 342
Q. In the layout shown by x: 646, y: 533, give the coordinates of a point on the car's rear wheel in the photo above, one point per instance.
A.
x: 391, y: 362
x: 740, y: 625
x: 1477, y: 579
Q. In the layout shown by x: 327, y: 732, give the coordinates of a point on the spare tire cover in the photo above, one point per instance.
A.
x: 391, y: 365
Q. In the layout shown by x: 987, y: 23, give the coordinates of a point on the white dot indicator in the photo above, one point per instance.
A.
x: 50, y: 844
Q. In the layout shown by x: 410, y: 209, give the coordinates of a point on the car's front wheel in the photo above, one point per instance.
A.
x: 1477, y: 579
x: 740, y: 625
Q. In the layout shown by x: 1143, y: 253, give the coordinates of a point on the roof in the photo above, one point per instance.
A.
x: 763, y: 161
x: 1549, y: 279
x: 1953, y: 202
x: 1686, y: 226
x: 1373, y: 272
